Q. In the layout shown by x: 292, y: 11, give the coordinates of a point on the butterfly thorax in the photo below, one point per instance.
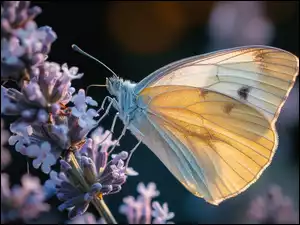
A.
x: 125, y: 103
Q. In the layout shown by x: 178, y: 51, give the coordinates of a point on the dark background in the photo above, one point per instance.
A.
x: 136, y: 38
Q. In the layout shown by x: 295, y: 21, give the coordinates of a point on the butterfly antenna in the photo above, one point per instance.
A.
x: 94, y: 85
x: 77, y: 49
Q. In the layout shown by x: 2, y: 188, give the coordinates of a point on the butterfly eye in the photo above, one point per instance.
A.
x: 113, y: 85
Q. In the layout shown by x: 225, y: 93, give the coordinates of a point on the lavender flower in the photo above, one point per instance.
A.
x: 54, y: 120
x: 73, y: 197
x: 100, y: 183
x: 21, y: 133
x: 46, y: 93
x: 100, y: 139
x: 26, y: 143
x: 274, y: 208
x: 47, y: 141
x: 23, y: 45
x: 97, y: 176
x: 139, y: 211
x: 135, y: 210
x: 5, y: 156
x: 99, y: 144
x: 161, y: 214
x: 85, y: 117
x: 25, y: 202
x: 43, y: 156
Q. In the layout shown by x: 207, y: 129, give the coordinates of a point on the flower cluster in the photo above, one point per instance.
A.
x: 47, y: 141
x: 47, y: 92
x: 54, y: 118
x: 55, y: 121
x: 24, y: 202
x: 139, y: 211
x: 274, y: 208
x: 23, y: 44
x: 96, y: 174
x: 46, y: 126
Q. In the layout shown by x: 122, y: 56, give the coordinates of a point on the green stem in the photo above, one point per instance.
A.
x: 97, y: 202
x: 104, y: 211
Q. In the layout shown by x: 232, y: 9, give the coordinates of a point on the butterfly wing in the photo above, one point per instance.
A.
x: 210, y: 118
x: 213, y: 144
x: 259, y: 76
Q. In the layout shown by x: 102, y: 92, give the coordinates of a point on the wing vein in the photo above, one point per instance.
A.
x: 166, y: 120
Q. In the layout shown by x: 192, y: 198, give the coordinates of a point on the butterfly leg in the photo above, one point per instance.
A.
x: 131, y: 152
x: 119, y: 138
x: 103, y: 103
x: 121, y: 135
x: 112, y: 101
x: 111, y: 131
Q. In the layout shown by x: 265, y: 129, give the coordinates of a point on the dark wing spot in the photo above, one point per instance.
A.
x: 202, y: 93
x: 243, y: 92
x: 228, y: 108
x: 259, y: 55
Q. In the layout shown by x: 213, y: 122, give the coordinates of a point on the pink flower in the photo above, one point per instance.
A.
x: 139, y: 210
x: 274, y: 208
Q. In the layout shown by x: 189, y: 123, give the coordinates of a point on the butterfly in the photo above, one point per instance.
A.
x: 210, y: 118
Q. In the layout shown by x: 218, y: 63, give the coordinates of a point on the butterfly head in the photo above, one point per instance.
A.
x: 114, y: 85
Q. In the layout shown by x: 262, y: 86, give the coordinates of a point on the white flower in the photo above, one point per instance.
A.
x: 72, y: 73
x: 136, y: 204
x: 149, y: 191
x: 161, y: 213
x: 79, y: 100
x: 20, y: 143
x: 6, y: 104
x: 22, y: 202
x: 22, y: 129
x: 11, y: 50
x: 131, y: 172
x: 90, y: 101
x: 22, y: 132
x: 31, y: 184
x: 55, y: 179
x: 30, y: 36
x: 44, y: 157
x: 103, y: 138
x: 85, y: 116
x: 139, y: 211
x: 118, y: 169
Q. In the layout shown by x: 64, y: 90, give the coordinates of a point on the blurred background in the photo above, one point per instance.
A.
x: 135, y: 38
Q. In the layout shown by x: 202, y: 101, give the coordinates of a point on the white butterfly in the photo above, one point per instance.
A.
x: 210, y: 118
